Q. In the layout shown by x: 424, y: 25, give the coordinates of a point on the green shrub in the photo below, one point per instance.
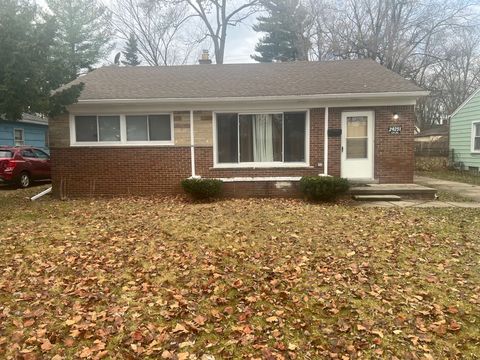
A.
x: 323, y: 188
x: 201, y: 189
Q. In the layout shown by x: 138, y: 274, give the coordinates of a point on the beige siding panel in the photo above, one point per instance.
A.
x: 203, y: 128
x: 181, y: 126
x: 59, y: 131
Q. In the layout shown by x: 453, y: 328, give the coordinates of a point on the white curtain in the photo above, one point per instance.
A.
x: 262, y: 138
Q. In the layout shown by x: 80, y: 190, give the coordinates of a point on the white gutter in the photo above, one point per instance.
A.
x: 325, y: 144
x: 258, y: 98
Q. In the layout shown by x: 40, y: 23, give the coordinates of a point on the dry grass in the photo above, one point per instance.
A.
x: 163, y: 278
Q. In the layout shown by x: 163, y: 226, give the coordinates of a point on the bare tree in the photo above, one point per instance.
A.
x: 452, y: 78
x: 410, y: 37
x: 217, y: 16
x: 158, y: 29
x: 319, y: 32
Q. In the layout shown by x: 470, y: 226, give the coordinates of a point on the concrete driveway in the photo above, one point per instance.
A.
x: 463, y: 189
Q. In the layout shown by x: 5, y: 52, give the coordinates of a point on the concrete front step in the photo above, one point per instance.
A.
x: 405, y: 191
x: 377, y: 197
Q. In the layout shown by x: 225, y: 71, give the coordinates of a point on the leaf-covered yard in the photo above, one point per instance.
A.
x: 263, y: 279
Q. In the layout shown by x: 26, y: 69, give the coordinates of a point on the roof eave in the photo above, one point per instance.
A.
x: 404, y: 94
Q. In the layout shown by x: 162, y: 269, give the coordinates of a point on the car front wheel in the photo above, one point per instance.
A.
x: 24, y: 180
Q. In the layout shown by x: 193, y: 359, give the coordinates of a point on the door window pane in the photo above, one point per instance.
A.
x: 357, y: 148
x: 357, y: 126
x: 357, y: 137
x: 227, y: 138
x: 109, y: 128
x: 294, y: 136
x: 137, y: 128
x: 86, y: 128
x: 159, y: 127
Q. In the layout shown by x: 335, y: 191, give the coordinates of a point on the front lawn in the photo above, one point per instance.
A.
x: 263, y: 279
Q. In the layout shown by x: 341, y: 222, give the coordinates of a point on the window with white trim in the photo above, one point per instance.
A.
x: 19, y: 137
x: 148, y: 128
x: 261, y: 139
x: 123, y: 129
x: 97, y: 128
x: 476, y: 137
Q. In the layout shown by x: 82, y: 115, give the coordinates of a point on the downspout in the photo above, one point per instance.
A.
x: 325, y: 145
x: 192, y: 145
x: 38, y: 196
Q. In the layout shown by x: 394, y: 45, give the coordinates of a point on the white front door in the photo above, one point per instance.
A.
x: 357, y: 145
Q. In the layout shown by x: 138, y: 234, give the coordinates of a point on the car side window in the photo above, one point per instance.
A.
x: 27, y: 153
x: 40, y: 154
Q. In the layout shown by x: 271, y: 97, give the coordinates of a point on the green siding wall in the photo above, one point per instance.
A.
x: 461, y: 132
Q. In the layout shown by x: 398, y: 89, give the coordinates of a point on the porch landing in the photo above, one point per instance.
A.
x: 404, y: 191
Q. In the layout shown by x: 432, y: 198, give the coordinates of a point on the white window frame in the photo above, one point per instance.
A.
x: 474, y: 125
x: 123, y: 132
x: 259, y: 164
x: 15, y: 138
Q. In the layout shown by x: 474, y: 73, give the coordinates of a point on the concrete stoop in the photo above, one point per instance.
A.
x: 377, y: 197
x: 391, y: 192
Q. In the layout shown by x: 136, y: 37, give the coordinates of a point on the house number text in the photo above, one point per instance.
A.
x: 395, y: 129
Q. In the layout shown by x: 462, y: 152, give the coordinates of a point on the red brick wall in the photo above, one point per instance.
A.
x: 109, y: 171
x: 394, y: 154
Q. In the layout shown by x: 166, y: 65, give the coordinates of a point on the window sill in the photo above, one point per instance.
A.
x: 256, y: 167
x: 120, y: 144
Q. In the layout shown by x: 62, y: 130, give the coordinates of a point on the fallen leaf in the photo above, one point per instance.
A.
x: 179, y: 328
x: 46, y: 345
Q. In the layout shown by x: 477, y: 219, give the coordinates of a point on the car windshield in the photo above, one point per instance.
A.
x: 5, y: 154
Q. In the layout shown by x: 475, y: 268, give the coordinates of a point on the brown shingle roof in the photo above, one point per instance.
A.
x: 242, y: 80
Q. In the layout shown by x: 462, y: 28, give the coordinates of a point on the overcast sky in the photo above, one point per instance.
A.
x: 240, y: 45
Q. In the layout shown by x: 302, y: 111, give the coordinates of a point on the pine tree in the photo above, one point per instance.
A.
x: 131, y: 52
x: 285, y: 27
x: 29, y: 67
x: 84, y: 36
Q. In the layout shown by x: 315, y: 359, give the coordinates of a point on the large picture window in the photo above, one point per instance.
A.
x: 476, y: 137
x: 123, y: 129
x: 263, y: 139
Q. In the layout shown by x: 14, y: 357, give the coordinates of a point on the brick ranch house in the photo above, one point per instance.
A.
x: 258, y: 127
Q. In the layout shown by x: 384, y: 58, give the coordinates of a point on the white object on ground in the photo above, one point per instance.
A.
x: 44, y: 192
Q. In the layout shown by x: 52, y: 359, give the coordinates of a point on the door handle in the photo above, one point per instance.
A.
x: 342, y: 148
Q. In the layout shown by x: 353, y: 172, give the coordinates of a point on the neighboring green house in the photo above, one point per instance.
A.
x: 465, y: 134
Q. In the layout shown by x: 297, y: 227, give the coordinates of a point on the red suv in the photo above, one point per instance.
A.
x: 21, y: 165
